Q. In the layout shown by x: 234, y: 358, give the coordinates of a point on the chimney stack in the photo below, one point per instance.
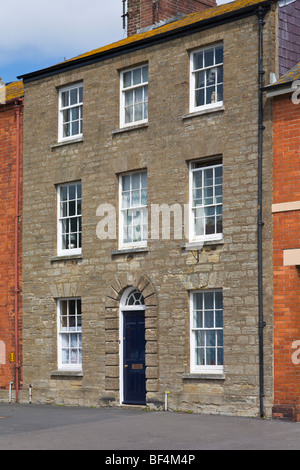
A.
x: 146, y: 14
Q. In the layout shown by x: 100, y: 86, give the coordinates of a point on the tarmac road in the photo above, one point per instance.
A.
x: 46, y: 427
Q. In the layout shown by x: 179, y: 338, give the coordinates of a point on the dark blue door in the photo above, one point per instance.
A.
x: 134, y: 358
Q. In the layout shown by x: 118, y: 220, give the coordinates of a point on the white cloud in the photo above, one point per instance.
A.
x: 35, y: 34
x: 65, y: 27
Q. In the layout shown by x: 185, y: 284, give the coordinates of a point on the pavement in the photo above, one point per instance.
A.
x: 48, y: 427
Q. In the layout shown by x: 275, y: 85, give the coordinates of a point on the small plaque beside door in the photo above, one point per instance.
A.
x: 137, y: 366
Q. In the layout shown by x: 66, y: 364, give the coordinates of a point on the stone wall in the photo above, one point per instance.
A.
x: 167, y: 270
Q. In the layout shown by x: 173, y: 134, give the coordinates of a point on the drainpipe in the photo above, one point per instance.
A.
x: 261, y: 324
x: 17, y: 215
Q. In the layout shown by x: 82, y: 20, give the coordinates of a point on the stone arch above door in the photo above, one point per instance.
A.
x: 112, y: 309
x: 123, y: 281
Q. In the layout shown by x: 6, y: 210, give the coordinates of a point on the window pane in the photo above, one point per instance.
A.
x: 219, y: 55
x: 129, y: 114
x: 198, y: 60
x: 138, y: 112
x: 65, y: 341
x: 65, y: 356
x: 146, y: 111
x: 198, y: 301
x: 200, y: 356
x: 209, y: 300
x: 220, y: 357
x: 73, y: 96
x: 209, y: 319
x: 80, y: 94
x: 64, y: 193
x: 127, y: 79
x: 138, y: 95
x: 75, y: 128
x: 145, y: 73
x: 66, y: 130
x: 209, y: 57
x: 72, y: 192
x: 198, y: 320
x: 210, y: 356
x: 72, y: 208
x: 72, y: 307
x: 74, y: 224
x: 144, y: 180
x: 74, y: 356
x: 75, y: 114
x: 210, y: 338
x: 126, y: 200
x: 220, y: 92
x: 199, y: 80
x: 65, y: 226
x: 79, y: 207
x: 65, y: 242
x: 144, y: 197
x: 200, y: 338
x: 219, y: 338
x: 129, y: 98
x: 210, y: 95
x: 218, y: 300
x: 66, y: 115
x: 145, y: 93
x: 137, y: 76
x: 65, y: 99
x: 135, y: 181
x: 199, y: 97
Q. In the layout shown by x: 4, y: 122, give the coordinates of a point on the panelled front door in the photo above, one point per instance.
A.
x: 134, y: 357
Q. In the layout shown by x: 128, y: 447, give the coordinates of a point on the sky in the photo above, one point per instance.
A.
x: 35, y: 34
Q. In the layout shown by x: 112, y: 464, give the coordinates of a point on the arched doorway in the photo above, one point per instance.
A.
x: 132, y: 348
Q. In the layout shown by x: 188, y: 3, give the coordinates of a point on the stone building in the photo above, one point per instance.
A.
x: 144, y: 163
x: 286, y: 242
x: 11, y: 128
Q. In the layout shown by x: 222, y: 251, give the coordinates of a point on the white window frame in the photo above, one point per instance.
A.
x: 123, y: 90
x: 68, y: 251
x: 78, y: 104
x: 142, y: 207
x: 217, y: 102
x: 75, y: 330
x: 194, y: 367
x: 204, y: 237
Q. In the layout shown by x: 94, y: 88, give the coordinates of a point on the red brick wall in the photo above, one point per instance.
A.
x: 8, y: 143
x: 286, y: 235
x: 143, y: 13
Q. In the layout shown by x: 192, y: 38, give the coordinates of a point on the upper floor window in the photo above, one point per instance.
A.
x: 134, y: 96
x: 133, y: 210
x: 69, y: 219
x: 206, y: 201
x: 70, y: 112
x: 206, y: 82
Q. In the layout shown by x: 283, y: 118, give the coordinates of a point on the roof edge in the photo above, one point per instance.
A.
x: 145, y: 42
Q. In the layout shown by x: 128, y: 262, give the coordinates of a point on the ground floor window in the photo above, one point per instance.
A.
x: 207, y: 331
x: 69, y: 334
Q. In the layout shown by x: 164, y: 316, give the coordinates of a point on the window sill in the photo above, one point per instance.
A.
x: 190, y: 246
x: 65, y: 258
x: 204, y: 111
x: 67, y: 142
x: 203, y: 376
x: 66, y: 373
x: 128, y: 251
x: 130, y: 128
